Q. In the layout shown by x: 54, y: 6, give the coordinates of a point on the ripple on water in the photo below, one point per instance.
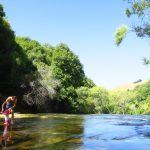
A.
x: 81, y: 132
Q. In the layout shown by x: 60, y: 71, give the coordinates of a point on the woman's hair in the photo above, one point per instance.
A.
x: 14, y: 97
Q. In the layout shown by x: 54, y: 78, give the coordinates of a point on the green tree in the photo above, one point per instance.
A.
x: 7, y: 36
x: 7, y: 46
x: 67, y: 67
x: 92, y: 100
x: 84, y: 104
x: 122, y: 102
x: 40, y: 85
x: 100, y: 97
x: 139, y: 9
x: 35, y: 51
x: 2, y: 13
x: 88, y: 82
x: 68, y: 70
x: 142, y: 91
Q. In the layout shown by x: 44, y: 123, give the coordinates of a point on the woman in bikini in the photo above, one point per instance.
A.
x: 10, y: 104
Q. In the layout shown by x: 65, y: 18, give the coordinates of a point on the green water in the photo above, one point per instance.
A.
x: 44, y: 131
x: 78, y: 132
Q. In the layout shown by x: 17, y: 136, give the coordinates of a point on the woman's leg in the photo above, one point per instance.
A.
x: 12, y: 117
x: 7, y: 120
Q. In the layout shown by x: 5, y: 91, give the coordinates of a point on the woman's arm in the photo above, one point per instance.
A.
x: 3, y: 105
x: 5, y: 102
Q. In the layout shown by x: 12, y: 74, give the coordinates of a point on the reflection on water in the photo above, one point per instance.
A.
x: 79, y: 132
x: 6, y: 137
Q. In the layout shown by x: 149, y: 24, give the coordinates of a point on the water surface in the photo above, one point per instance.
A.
x: 77, y: 132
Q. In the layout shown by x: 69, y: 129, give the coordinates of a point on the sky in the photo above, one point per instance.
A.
x: 87, y: 27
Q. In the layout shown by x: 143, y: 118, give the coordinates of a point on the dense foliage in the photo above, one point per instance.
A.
x: 7, y: 44
x: 51, y: 79
x: 43, y: 77
x: 59, y: 72
x: 92, y: 100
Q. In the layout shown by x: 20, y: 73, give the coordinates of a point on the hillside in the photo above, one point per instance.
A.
x: 128, y: 86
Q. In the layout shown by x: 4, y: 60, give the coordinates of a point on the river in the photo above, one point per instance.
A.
x: 77, y: 132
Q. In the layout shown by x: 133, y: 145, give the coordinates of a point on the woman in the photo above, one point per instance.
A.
x: 10, y: 104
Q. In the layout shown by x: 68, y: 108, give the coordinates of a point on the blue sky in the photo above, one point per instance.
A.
x: 87, y: 27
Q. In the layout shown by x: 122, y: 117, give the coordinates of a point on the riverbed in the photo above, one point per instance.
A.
x: 77, y: 132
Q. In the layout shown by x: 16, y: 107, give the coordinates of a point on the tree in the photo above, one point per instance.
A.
x: 40, y: 85
x: 7, y: 46
x: 139, y: 10
x: 7, y: 36
x: 2, y: 13
x: 142, y: 91
x: 84, y: 103
x: 92, y: 100
x: 67, y: 67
